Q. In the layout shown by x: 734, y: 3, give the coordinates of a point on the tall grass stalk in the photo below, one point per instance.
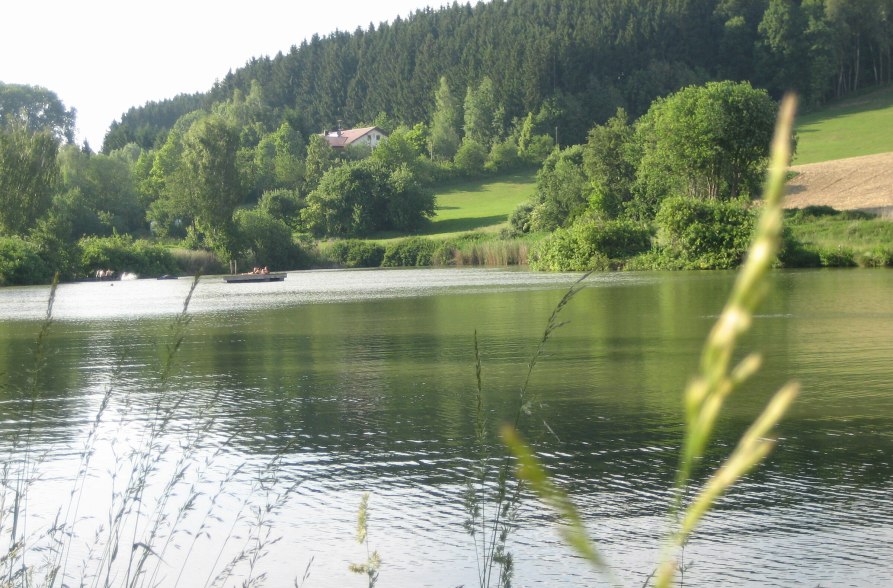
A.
x: 706, y: 393
x: 20, y: 473
x: 370, y: 568
x: 491, y: 513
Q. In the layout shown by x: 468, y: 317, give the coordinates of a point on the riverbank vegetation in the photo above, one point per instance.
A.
x: 615, y: 113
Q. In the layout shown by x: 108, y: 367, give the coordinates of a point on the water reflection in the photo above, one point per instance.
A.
x: 355, y: 378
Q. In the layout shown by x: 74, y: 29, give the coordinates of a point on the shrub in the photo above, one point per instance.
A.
x: 446, y: 253
x: 520, y: 218
x: 356, y: 253
x: 121, y: 254
x: 284, y: 205
x: 877, y: 257
x: 21, y: 264
x: 837, y: 257
x: 416, y: 251
x: 591, y: 245
x: 470, y: 159
x: 267, y: 241
x: 704, y: 234
x: 503, y: 156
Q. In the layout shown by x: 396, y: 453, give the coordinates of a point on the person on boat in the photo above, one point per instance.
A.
x: 265, y: 270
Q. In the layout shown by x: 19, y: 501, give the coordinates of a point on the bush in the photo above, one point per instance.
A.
x: 470, y: 159
x: 416, y: 251
x: 21, y: 264
x: 704, y: 234
x: 284, y: 205
x: 503, y: 157
x: 520, y: 218
x: 837, y: 257
x: 877, y: 257
x: 356, y: 253
x: 446, y: 253
x: 121, y: 254
x: 591, y: 245
x: 266, y: 241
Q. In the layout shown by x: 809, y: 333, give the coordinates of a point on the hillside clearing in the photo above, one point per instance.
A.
x: 479, y: 205
x: 853, y: 127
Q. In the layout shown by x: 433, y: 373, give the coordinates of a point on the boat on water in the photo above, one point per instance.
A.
x: 245, y: 278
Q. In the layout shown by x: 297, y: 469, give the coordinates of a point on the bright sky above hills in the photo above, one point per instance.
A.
x: 104, y: 56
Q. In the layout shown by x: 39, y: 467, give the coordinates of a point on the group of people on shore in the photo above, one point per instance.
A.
x: 104, y: 274
x: 261, y: 271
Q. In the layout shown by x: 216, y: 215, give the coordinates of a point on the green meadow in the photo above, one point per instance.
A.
x: 480, y: 204
x: 853, y: 127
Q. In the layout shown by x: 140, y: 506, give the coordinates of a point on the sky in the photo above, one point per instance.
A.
x: 103, y: 57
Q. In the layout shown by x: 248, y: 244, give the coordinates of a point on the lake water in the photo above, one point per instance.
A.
x: 359, y: 381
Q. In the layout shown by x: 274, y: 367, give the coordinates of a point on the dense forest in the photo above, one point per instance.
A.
x: 581, y: 59
x: 648, y: 122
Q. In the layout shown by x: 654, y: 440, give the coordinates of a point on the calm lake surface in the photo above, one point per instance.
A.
x: 359, y: 381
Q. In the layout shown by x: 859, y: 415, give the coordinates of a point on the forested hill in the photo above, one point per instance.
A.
x: 580, y: 59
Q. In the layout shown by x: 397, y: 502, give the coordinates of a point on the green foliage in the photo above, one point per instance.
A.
x: 609, y: 163
x: 412, y: 252
x: 21, y: 263
x: 284, y: 205
x: 38, y: 110
x: 209, y: 182
x: 503, y: 157
x: 590, y: 245
x: 148, y: 125
x: 444, y: 138
x: 191, y: 262
x: 520, y: 218
x: 704, y: 234
x: 28, y: 176
x: 101, y: 195
x: 121, y: 253
x: 266, y: 241
x: 562, y: 191
x: 708, y: 141
x: 356, y: 253
x: 827, y: 237
x: 470, y: 158
x: 320, y: 159
x: 358, y: 198
x: 483, y: 115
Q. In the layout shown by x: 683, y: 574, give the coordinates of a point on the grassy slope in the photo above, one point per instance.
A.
x: 850, y: 128
x: 476, y: 205
x: 479, y: 204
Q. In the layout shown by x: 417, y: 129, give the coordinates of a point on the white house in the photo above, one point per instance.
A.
x: 368, y: 136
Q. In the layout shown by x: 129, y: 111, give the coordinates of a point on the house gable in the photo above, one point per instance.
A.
x: 369, y: 136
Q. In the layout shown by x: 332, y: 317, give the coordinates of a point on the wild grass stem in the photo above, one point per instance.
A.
x: 706, y: 393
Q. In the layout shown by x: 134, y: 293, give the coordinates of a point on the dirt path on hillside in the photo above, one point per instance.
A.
x: 857, y: 183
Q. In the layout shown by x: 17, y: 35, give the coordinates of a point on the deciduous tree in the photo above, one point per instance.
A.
x: 28, y: 176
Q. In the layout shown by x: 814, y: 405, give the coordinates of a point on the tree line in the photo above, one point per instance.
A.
x: 578, y: 59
